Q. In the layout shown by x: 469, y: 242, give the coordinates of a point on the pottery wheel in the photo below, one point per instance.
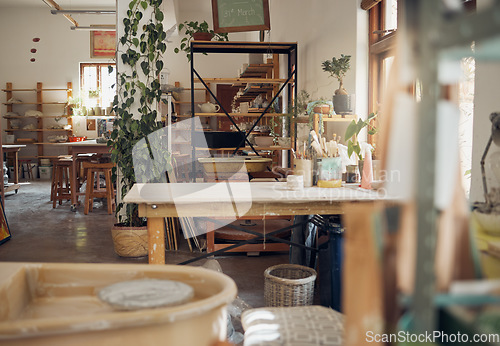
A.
x: 144, y: 294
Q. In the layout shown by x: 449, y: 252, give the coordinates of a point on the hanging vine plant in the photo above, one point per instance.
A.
x: 138, y: 94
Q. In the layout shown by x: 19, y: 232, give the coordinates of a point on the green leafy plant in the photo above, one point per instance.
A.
x: 75, y: 106
x: 138, y: 93
x: 337, y: 68
x: 303, y: 99
x: 310, y: 111
x: 352, y: 132
x: 93, y: 93
x: 192, y: 28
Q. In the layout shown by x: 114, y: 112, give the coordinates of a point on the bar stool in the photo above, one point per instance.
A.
x: 92, y: 192
x: 29, y: 168
x: 61, y: 189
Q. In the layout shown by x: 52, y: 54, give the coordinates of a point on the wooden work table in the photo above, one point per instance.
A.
x: 13, y: 148
x: 238, y: 199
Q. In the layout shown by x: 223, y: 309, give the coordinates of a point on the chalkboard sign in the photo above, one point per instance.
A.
x: 240, y: 15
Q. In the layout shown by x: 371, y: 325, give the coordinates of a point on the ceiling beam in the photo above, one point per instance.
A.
x: 52, y: 3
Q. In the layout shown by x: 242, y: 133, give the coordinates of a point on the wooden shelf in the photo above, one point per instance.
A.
x: 49, y: 143
x: 40, y: 104
x: 35, y: 89
x: 186, y: 102
x: 249, y: 115
x: 34, y: 103
x: 257, y: 70
x: 36, y: 130
x: 244, y: 80
x: 11, y: 187
x: 273, y: 147
x: 34, y: 117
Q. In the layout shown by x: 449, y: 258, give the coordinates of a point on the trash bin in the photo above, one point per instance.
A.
x: 330, y: 244
x: 289, y: 285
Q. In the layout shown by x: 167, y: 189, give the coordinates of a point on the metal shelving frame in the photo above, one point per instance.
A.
x: 206, y: 47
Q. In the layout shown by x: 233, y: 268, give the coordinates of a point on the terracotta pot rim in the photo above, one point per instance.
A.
x: 202, y: 36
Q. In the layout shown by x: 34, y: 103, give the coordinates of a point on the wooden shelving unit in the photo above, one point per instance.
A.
x: 53, y: 108
x: 256, y: 79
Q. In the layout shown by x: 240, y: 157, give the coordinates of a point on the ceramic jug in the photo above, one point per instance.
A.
x: 209, y: 108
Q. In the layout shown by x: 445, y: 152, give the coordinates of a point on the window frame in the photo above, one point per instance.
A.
x: 99, y: 66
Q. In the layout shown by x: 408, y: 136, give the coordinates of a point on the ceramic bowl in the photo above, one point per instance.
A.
x: 488, y: 221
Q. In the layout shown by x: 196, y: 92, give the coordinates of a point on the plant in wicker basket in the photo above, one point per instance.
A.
x: 138, y: 94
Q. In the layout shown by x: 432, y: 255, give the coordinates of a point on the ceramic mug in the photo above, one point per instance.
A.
x: 244, y: 107
x: 295, y: 182
x: 303, y: 168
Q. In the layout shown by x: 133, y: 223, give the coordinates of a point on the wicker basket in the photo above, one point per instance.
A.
x: 289, y: 285
x: 130, y: 241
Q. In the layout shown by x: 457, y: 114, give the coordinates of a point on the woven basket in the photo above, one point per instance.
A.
x: 130, y: 241
x: 289, y: 285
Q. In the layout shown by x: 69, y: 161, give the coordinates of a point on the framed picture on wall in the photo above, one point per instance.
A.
x: 4, y: 227
x: 102, y: 44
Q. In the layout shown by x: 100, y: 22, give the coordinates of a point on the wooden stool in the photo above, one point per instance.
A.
x: 91, y: 170
x: 29, y: 169
x: 61, y: 189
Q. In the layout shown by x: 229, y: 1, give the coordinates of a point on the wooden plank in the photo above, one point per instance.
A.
x: 244, y: 80
x: 39, y: 107
x: 362, y: 299
x: 266, y: 247
x: 225, y: 209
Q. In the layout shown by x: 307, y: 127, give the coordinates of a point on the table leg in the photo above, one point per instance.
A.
x: 16, y: 167
x: 156, y: 240
x: 73, y: 183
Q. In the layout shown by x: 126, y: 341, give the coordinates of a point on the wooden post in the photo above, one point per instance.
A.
x: 362, y: 287
x: 156, y: 240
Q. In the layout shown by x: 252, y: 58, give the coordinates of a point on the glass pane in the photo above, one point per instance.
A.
x: 391, y: 14
x: 386, y: 69
x: 108, y: 86
x: 90, y: 86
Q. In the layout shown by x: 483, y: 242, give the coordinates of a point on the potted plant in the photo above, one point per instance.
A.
x: 320, y: 107
x: 197, y: 31
x: 352, y: 132
x: 93, y: 94
x: 138, y: 93
x: 338, y: 68
x: 75, y: 107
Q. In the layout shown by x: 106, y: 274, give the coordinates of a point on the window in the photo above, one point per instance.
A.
x: 97, y: 84
x: 382, y: 33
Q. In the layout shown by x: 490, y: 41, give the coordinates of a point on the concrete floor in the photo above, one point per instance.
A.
x: 43, y: 234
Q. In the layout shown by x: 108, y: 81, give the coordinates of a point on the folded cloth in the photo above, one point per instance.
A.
x: 293, y: 326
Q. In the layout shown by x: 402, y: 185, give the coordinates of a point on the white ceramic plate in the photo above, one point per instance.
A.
x: 145, y: 294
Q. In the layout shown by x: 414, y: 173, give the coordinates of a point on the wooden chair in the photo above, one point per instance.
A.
x: 91, y: 169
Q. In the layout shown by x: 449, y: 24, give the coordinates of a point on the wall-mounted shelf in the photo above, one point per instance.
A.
x: 58, y: 97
